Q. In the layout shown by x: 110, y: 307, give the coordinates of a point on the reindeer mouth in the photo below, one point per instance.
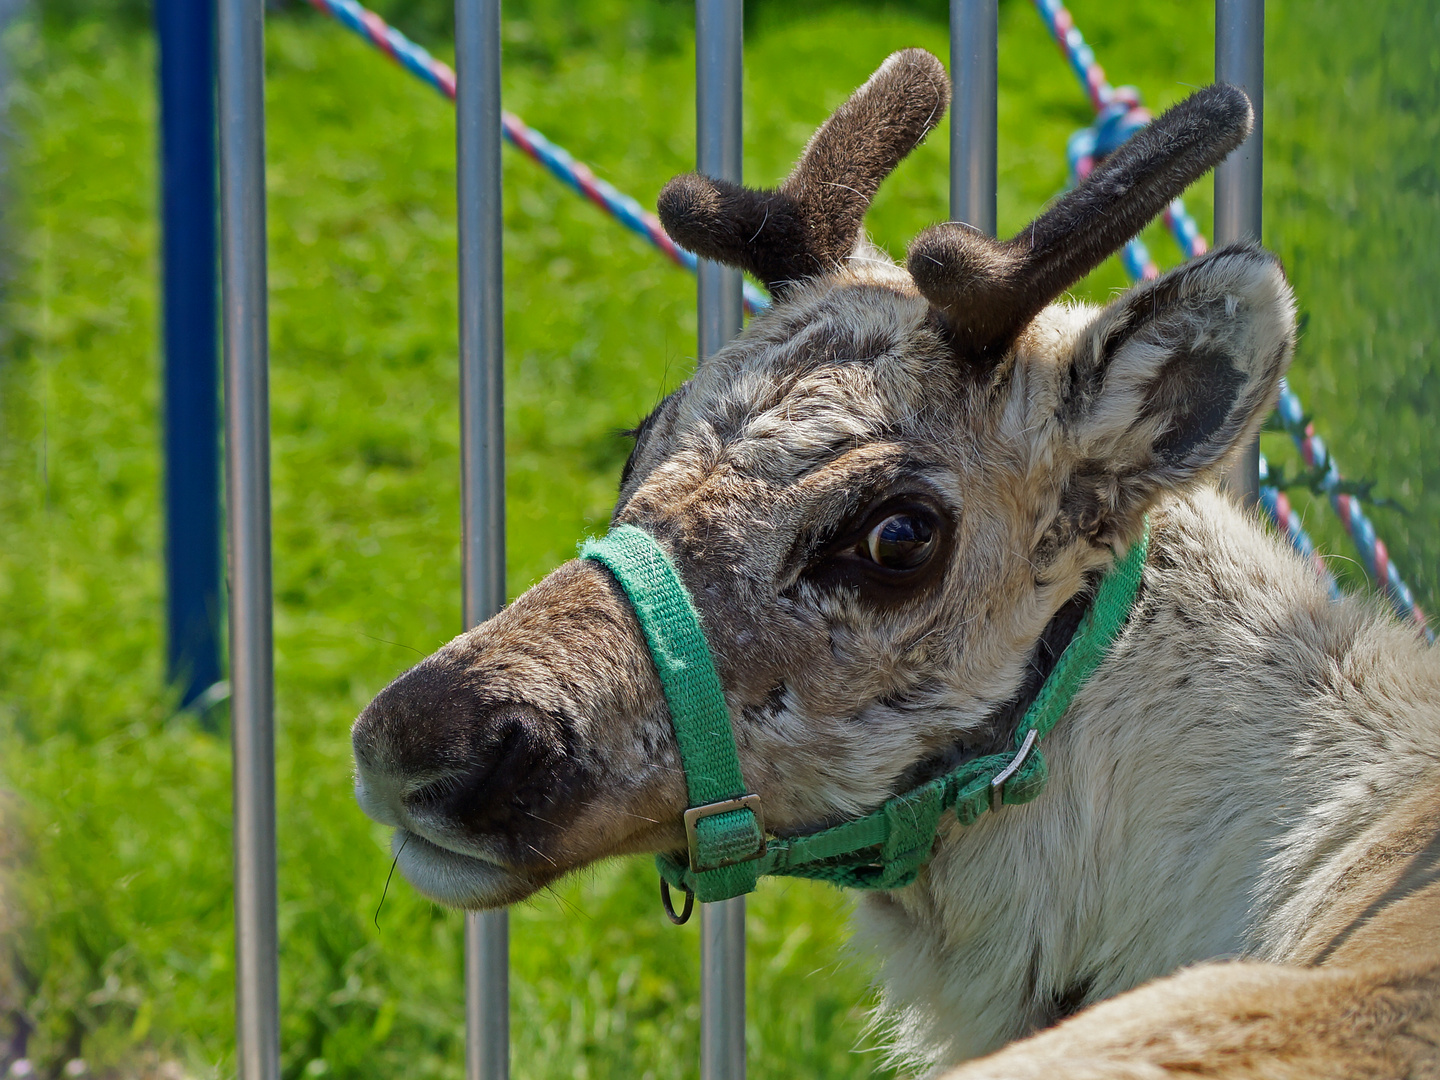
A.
x: 455, y: 878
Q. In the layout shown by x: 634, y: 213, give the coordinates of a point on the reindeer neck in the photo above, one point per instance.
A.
x: 1177, y: 781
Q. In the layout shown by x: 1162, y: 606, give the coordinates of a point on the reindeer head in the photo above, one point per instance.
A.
x: 880, y: 495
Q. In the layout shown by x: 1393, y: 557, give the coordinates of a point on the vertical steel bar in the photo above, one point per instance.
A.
x: 185, y: 30
x: 487, y: 995
x: 722, y: 990
x: 482, y: 456
x: 719, y: 51
x: 1240, y: 61
x: 247, y: 484
x: 974, y: 67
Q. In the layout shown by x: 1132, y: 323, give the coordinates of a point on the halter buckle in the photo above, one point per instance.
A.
x: 997, y: 786
x: 724, y: 806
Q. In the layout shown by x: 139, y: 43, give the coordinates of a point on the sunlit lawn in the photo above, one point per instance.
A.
x: 123, y: 807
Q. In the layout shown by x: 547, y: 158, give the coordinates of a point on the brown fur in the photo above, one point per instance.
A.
x: 809, y: 225
x: 1253, y: 774
x: 989, y: 290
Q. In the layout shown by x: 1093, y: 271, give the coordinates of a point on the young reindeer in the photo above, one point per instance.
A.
x: 891, y: 500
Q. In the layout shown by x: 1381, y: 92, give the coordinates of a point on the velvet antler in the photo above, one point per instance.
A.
x: 989, y: 290
x: 811, y: 223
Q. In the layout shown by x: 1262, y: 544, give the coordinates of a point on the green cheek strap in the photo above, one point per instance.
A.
x: 885, y: 849
x: 723, y: 825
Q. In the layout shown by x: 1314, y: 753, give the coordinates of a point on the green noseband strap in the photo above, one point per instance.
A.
x: 885, y: 849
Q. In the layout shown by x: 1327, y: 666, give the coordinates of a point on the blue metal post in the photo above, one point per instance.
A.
x: 186, y: 31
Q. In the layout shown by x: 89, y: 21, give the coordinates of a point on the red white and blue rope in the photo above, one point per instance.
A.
x: 1282, y: 513
x: 1119, y: 115
x: 1373, y: 552
x: 576, y: 175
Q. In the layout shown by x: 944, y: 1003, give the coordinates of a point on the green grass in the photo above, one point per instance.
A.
x: 123, y: 807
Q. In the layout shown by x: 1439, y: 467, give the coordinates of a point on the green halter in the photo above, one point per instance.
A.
x: 885, y: 849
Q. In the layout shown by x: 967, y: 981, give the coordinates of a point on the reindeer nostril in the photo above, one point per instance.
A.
x: 433, y: 794
x: 512, y: 760
x: 432, y: 751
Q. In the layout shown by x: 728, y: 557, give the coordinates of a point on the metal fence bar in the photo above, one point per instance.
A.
x: 185, y: 30
x: 722, y: 990
x: 487, y: 995
x: 974, y: 65
x: 719, y: 50
x: 1240, y: 61
x: 482, y: 457
x: 247, y: 483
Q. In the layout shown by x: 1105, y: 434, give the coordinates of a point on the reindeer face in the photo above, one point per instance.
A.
x: 878, y: 496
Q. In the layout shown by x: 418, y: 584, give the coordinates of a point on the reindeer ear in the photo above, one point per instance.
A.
x: 1168, y: 381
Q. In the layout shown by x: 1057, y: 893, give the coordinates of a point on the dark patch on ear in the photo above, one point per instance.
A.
x: 1081, y: 385
x: 1140, y: 306
x: 1085, y: 379
x: 1195, y: 389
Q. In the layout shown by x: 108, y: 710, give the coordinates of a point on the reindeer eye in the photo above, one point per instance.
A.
x: 900, y: 542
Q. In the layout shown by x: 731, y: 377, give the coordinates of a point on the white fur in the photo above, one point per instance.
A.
x: 1198, y: 783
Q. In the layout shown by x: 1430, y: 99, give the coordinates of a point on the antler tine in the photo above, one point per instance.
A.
x: 990, y: 290
x: 811, y: 223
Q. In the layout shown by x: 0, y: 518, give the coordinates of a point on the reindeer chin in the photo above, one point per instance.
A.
x: 455, y: 879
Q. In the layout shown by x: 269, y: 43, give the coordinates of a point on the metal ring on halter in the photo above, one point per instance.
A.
x: 670, y: 910
x: 684, y: 916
